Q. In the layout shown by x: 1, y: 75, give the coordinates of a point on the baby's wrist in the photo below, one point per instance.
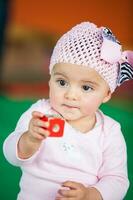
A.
x: 94, y: 194
x: 27, y: 146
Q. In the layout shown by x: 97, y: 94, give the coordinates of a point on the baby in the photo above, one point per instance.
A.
x: 89, y: 162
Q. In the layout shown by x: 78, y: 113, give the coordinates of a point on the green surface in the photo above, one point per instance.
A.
x: 10, y: 111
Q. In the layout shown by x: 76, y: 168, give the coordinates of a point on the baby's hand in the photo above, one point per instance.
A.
x: 37, y: 128
x: 77, y: 191
x: 30, y: 141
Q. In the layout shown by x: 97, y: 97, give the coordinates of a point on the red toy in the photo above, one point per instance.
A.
x: 56, y: 126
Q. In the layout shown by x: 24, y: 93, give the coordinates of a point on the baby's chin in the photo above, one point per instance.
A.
x: 70, y: 117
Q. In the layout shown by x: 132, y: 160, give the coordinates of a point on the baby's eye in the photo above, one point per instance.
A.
x: 62, y: 82
x: 86, y: 88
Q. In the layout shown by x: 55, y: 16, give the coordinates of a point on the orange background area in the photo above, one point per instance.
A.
x: 60, y: 15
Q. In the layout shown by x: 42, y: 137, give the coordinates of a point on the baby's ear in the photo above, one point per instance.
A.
x: 107, y: 97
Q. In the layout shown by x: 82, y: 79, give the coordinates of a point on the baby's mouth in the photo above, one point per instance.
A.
x: 70, y: 106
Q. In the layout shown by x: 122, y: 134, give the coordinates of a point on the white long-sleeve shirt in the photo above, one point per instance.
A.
x: 97, y: 158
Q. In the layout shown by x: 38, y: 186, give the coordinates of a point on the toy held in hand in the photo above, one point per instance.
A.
x: 56, y: 125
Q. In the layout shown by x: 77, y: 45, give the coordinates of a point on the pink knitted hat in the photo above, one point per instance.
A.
x: 87, y: 45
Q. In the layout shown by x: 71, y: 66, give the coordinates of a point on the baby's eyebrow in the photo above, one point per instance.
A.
x: 59, y: 74
x: 90, y: 82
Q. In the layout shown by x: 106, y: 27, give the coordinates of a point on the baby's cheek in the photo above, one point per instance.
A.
x: 55, y: 101
x: 52, y: 101
x: 90, y: 107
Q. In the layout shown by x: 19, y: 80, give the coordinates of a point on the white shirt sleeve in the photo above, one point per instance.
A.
x: 10, y: 144
x: 113, y: 181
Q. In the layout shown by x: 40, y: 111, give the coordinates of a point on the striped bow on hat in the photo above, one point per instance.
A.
x: 126, y: 67
x: 111, y: 52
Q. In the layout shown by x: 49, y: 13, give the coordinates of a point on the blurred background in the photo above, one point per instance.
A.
x: 28, y: 33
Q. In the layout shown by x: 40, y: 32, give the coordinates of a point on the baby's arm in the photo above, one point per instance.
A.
x: 20, y: 138
x: 113, y: 179
x: 31, y: 140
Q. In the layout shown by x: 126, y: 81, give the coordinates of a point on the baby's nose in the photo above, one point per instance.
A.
x: 71, y: 94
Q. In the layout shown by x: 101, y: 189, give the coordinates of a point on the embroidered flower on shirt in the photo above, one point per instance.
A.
x: 71, y: 150
x: 67, y: 147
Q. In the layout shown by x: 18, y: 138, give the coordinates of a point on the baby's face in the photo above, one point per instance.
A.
x: 76, y: 92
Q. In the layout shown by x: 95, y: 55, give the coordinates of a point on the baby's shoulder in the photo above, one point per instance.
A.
x: 112, y: 132
x: 108, y: 122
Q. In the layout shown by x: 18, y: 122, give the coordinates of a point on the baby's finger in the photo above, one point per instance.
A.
x: 67, y: 192
x: 72, y: 185
x: 41, y: 131
x: 40, y: 123
x: 37, y: 114
x: 40, y: 136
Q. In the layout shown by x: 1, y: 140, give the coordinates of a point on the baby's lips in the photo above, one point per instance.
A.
x: 56, y: 125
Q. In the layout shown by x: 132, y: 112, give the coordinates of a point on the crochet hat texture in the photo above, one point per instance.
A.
x: 87, y: 45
